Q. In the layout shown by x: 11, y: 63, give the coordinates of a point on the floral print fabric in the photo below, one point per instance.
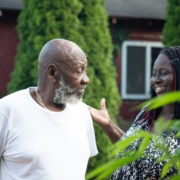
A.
x: 146, y: 168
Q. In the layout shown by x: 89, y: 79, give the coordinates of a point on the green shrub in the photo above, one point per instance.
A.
x: 171, y: 30
x: 101, y: 71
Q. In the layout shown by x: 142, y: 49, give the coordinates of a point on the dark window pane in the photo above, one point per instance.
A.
x: 154, y: 54
x: 136, y: 70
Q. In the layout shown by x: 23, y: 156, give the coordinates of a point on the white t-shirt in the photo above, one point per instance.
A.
x: 38, y: 144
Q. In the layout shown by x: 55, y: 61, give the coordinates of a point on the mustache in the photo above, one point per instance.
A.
x: 77, y: 89
x: 81, y: 87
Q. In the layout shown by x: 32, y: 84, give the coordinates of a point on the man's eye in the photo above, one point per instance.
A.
x: 79, y: 72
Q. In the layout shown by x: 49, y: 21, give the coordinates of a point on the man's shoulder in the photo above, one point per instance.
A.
x: 81, y: 105
x: 77, y: 105
x: 81, y: 108
x: 13, y: 98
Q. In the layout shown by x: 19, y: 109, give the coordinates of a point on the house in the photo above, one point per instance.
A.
x: 9, y: 11
x: 136, y: 27
x: 144, y: 20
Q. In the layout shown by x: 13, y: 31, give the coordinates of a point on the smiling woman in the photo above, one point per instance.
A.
x: 162, y: 77
x: 165, y: 78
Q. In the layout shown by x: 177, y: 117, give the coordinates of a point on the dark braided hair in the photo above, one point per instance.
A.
x: 173, y: 54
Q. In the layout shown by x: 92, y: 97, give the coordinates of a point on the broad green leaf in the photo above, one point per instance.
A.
x: 144, y: 143
x: 178, y: 165
x: 165, y: 169
x: 177, y: 135
x: 161, y: 125
x: 175, y: 177
x: 162, y: 100
x: 108, y: 168
x: 117, y: 164
x: 100, y: 169
x: 127, y: 141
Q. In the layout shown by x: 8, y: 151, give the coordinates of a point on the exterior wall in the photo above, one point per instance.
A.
x: 8, y: 46
x: 139, y: 30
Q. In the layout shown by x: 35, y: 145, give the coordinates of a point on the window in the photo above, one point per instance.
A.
x: 137, y: 61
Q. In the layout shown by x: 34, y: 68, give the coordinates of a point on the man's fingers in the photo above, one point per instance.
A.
x: 103, y: 104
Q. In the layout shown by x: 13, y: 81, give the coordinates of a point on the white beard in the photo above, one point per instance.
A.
x: 65, y: 94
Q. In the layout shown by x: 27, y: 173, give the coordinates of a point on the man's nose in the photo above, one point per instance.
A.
x: 85, y: 79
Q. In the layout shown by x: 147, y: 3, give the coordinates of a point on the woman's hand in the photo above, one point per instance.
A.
x: 101, y: 117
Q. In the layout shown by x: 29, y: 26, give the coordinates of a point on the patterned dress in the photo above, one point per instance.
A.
x: 146, y: 168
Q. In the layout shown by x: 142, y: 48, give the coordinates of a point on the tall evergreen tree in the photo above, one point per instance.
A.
x: 102, y: 73
x: 84, y: 22
x: 171, y: 30
x: 39, y: 22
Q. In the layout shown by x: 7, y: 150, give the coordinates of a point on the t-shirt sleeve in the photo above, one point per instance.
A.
x: 3, y: 132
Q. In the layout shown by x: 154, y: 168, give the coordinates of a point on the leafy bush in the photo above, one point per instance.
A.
x: 171, y: 30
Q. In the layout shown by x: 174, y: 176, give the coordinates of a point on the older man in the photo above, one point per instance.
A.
x: 46, y: 132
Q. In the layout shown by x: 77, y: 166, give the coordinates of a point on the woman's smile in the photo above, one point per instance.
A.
x: 162, y: 79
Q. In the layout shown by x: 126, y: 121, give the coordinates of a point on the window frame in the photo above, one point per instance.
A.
x: 148, y: 45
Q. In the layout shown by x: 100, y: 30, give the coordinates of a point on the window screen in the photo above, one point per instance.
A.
x: 154, y: 54
x: 136, y: 70
x: 137, y: 61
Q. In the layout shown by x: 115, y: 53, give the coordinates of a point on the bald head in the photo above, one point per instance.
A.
x: 62, y: 71
x: 57, y: 50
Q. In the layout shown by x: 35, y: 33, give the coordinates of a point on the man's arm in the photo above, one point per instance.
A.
x: 101, y: 117
x: 3, y: 132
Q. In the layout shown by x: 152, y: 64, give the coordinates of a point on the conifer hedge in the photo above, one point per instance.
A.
x: 84, y: 22
x: 171, y: 30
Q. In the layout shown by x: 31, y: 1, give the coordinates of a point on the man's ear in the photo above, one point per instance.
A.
x: 52, y: 72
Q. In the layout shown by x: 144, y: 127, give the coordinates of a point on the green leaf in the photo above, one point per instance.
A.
x: 117, y: 164
x: 144, y: 143
x: 175, y: 177
x: 165, y: 169
x: 162, y: 100
x: 177, y: 134
x: 123, y: 144
x: 161, y: 125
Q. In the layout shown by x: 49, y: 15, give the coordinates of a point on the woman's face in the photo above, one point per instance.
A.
x: 162, y: 80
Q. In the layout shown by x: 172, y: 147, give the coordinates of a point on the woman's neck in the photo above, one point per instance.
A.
x: 167, y: 112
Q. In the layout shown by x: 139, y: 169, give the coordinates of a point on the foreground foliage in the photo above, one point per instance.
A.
x: 160, y: 126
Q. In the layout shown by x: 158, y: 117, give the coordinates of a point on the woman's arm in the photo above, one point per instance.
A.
x: 101, y: 117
